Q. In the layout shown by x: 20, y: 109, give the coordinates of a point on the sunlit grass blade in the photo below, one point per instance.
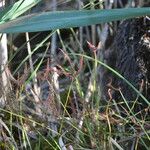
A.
x: 67, y: 19
x: 17, y: 9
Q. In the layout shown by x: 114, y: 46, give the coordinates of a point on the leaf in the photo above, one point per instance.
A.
x: 17, y: 9
x: 67, y: 19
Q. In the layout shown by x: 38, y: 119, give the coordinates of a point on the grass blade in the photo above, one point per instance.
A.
x: 66, y: 19
x: 16, y: 9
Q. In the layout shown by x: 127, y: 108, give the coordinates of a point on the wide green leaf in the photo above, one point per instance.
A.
x: 17, y: 9
x: 66, y: 19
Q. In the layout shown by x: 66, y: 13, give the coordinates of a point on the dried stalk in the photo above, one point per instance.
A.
x: 3, y: 75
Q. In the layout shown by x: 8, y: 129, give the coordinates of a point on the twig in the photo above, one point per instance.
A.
x: 36, y: 88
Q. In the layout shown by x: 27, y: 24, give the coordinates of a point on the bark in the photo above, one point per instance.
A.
x: 129, y: 55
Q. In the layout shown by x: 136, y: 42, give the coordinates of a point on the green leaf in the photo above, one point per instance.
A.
x: 66, y: 19
x: 16, y: 10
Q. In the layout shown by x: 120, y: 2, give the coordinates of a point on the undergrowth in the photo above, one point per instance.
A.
x: 53, y: 93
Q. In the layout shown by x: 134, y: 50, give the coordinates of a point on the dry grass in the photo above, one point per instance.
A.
x: 53, y: 99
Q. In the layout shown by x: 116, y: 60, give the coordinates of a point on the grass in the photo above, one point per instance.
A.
x: 54, y: 99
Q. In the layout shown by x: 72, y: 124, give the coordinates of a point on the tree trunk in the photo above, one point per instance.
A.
x: 129, y: 55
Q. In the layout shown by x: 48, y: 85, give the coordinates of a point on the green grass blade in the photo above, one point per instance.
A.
x: 16, y: 9
x: 66, y: 19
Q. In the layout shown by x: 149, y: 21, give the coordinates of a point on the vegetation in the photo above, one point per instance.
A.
x: 51, y: 95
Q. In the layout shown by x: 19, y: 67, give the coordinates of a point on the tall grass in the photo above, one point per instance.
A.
x: 72, y: 116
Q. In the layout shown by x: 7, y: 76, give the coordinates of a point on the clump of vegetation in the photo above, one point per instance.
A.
x: 66, y: 77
